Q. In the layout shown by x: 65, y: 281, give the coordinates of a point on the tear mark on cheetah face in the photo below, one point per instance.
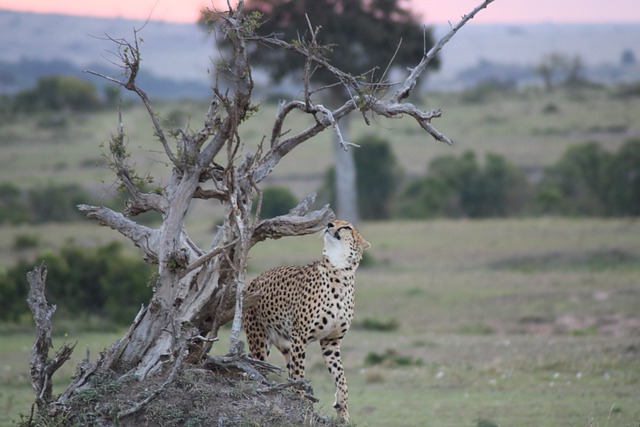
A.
x: 299, y: 305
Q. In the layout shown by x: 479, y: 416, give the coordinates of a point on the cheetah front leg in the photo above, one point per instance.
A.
x: 331, y: 355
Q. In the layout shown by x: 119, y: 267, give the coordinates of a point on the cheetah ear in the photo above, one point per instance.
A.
x: 364, y: 243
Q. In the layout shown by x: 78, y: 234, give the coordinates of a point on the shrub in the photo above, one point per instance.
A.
x: 25, y: 241
x: 481, y: 422
x: 575, y: 185
x: 276, y: 201
x: 56, y: 202
x: 378, y: 177
x: 56, y: 93
x: 502, y: 189
x: 374, y: 324
x: 550, y: 108
x: 390, y: 358
x: 460, y: 187
x: 81, y: 282
x: 622, y: 193
x: 13, y: 208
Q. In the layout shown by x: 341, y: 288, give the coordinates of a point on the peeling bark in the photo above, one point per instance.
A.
x: 198, y: 290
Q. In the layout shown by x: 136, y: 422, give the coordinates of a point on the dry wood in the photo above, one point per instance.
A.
x: 41, y: 368
x: 198, y: 290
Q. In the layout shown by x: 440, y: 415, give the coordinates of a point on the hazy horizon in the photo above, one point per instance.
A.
x: 432, y: 11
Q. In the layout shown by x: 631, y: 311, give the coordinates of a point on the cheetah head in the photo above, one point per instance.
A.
x: 343, y: 244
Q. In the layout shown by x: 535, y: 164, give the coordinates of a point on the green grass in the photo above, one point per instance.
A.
x: 16, y: 394
x: 520, y: 322
x: 547, y: 346
x: 517, y: 126
x: 541, y: 347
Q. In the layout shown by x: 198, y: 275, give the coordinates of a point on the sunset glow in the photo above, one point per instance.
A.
x: 432, y: 11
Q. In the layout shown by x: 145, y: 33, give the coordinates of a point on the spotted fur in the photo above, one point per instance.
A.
x: 299, y: 305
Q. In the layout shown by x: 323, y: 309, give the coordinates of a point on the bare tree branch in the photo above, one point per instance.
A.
x: 329, y: 115
x: 205, y: 258
x: 41, y: 368
x: 283, y: 111
x: 363, y: 98
x: 389, y: 109
x: 141, y: 236
x: 276, y: 153
x: 130, y: 57
x: 296, y: 223
x: 411, y: 80
x: 197, y: 291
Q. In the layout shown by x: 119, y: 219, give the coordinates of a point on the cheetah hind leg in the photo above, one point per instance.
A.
x: 293, y: 351
x: 257, y: 339
x: 331, y: 355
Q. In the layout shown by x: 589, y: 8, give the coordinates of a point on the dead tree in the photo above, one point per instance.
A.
x: 197, y: 290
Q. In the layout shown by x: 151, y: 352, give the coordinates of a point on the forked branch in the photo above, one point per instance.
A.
x: 130, y: 57
x: 364, y: 96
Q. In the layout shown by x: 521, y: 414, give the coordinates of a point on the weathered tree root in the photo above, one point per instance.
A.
x: 301, y: 385
x: 256, y: 370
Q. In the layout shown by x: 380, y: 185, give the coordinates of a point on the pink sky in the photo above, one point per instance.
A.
x: 435, y: 11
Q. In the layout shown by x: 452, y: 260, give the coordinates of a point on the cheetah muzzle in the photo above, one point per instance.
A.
x: 299, y: 305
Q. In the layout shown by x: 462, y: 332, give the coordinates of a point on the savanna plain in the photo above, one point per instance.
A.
x: 530, y: 321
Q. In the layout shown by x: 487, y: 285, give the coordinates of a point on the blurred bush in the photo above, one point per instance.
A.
x: 81, y: 281
x: 586, y: 181
x: 461, y: 187
x: 276, y: 201
x: 58, y: 93
x: 590, y: 181
x: 378, y: 179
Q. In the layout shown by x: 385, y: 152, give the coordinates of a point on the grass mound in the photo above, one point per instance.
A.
x: 197, y: 397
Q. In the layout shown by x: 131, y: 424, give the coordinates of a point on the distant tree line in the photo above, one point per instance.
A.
x: 58, y: 94
x: 103, y: 282
x: 50, y: 203
x: 26, y: 74
x: 92, y: 282
x: 586, y: 181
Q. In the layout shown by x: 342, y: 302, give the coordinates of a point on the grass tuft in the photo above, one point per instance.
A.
x: 390, y: 358
x: 481, y: 422
x: 374, y: 324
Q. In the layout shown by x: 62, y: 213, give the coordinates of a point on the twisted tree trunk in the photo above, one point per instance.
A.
x: 197, y: 290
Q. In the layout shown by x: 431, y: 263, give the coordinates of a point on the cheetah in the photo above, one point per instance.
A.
x: 299, y: 305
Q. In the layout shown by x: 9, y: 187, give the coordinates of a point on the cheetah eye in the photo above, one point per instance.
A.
x: 346, y: 227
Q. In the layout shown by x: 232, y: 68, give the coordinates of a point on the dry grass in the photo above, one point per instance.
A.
x: 527, y: 322
x: 516, y: 126
x: 546, y: 345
